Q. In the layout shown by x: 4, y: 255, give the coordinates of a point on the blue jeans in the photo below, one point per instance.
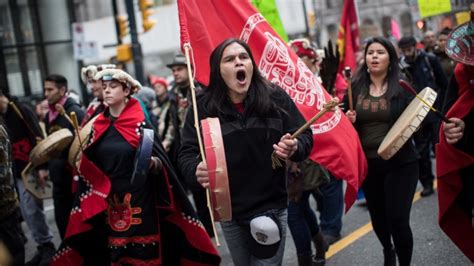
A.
x: 303, y: 224
x: 32, y: 211
x: 331, y: 207
x: 236, y: 236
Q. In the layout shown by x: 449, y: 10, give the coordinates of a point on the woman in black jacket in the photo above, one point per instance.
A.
x: 256, y: 118
x: 390, y: 184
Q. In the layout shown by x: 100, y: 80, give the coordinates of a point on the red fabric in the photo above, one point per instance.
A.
x: 53, y: 113
x: 127, y: 120
x: 206, y: 23
x: 155, y: 79
x: 449, y: 161
x: 21, y: 150
x: 90, y: 111
x: 240, y: 107
x: 340, y: 86
x: 135, y: 262
x: 348, y: 38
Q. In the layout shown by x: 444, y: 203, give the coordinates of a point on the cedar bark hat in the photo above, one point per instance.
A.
x: 121, y: 76
x: 89, y: 72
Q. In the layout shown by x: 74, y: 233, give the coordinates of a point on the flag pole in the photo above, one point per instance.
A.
x: 187, y: 48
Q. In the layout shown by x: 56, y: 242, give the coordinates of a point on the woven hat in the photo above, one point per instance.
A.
x: 121, y: 76
x: 460, y: 43
x: 89, y: 72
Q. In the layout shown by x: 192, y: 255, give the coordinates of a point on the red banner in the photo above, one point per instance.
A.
x: 207, y: 24
x: 348, y: 38
x: 450, y: 163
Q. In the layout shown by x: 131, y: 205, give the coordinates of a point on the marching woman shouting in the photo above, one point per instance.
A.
x: 130, y: 207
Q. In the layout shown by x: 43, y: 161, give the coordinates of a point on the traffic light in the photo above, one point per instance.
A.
x: 145, y: 6
x: 124, y: 53
x: 123, y: 24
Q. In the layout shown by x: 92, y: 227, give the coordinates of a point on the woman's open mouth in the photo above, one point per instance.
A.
x: 241, y: 76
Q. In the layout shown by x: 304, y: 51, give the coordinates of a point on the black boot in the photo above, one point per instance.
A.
x: 321, y: 246
x: 318, y: 261
x: 43, y: 256
x: 390, y: 257
x: 427, y: 189
x: 305, y: 260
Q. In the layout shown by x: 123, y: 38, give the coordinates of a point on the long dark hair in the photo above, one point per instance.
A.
x: 217, y: 90
x: 362, y: 79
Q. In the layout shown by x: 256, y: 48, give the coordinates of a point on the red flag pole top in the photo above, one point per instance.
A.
x: 348, y: 38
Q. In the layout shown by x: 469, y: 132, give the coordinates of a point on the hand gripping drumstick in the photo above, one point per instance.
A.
x: 73, y: 122
x: 62, y: 112
x: 276, y: 161
x: 187, y: 48
x: 410, y: 89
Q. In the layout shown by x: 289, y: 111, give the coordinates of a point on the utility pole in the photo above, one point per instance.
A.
x: 117, y: 27
x: 136, y: 47
x: 3, y: 68
x: 305, y: 11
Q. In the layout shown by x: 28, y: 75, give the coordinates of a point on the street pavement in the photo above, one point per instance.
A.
x: 359, y: 245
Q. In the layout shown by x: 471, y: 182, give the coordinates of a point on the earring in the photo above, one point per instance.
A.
x: 368, y: 70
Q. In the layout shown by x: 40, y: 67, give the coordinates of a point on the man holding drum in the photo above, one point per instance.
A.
x: 55, y: 88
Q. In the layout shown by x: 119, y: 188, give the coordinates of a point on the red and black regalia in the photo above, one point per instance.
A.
x: 455, y: 165
x: 95, y: 107
x: 113, y: 221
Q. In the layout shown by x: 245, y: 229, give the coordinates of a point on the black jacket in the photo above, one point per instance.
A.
x: 254, y: 186
x: 23, y: 133
x: 426, y: 71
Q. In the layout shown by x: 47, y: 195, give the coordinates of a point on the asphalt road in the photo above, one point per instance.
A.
x: 359, y: 245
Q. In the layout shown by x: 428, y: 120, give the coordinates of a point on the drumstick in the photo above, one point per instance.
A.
x: 187, y: 48
x: 410, y: 89
x: 347, y: 76
x: 17, y: 111
x: 276, y: 161
x: 76, y: 127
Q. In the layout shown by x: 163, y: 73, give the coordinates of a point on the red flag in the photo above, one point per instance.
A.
x: 207, y: 24
x: 450, y: 161
x: 348, y: 38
